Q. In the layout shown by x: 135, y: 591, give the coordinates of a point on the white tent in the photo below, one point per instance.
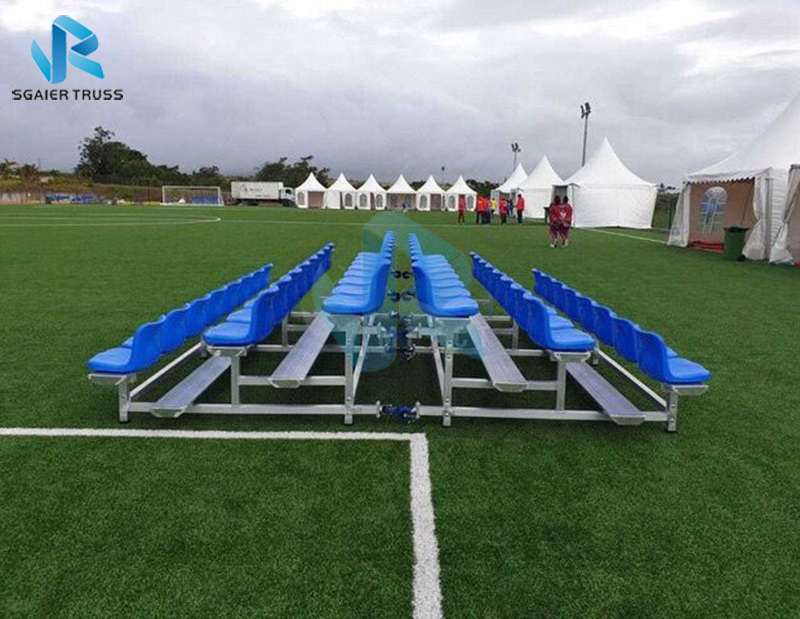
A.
x: 513, y: 181
x: 460, y: 188
x: 371, y: 195
x: 538, y: 188
x: 341, y: 194
x: 401, y: 193
x: 787, y: 245
x: 311, y: 194
x: 746, y: 189
x: 605, y: 192
x: 430, y: 197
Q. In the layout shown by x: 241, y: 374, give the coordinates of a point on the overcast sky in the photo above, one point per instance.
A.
x: 410, y: 86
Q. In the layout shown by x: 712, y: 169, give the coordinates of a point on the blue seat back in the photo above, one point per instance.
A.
x: 653, y: 355
x: 625, y: 339
x: 216, y: 305
x: 604, y: 324
x: 195, y: 319
x: 571, y: 304
x: 557, y: 295
x: 146, y: 346
x: 173, y: 330
x: 586, y: 308
x: 537, y: 325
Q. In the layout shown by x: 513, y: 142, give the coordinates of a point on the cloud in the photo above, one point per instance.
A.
x: 411, y: 87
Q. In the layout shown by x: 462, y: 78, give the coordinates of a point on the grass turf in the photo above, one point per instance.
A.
x: 533, y: 518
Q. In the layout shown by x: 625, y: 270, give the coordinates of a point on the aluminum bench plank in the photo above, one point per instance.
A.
x: 502, y: 370
x: 612, y: 402
x: 183, y: 395
x: 296, y: 365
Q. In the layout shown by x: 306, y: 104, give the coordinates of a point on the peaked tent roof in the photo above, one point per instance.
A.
x: 542, y: 177
x: 461, y: 187
x: 605, y: 169
x: 777, y: 147
x: 430, y: 186
x: 341, y: 184
x: 311, y: 184
x: 371, y: 186
x: 514, y: 180
x: 401, y: 187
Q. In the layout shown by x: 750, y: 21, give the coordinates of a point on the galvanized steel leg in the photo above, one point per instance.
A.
x: 235, y: 372
x: 285, y: 332
x: 124, y: 392
x: 447, y: 415
x: 561, y: 378
x: 349, y: 386
x: 672, y: 411
x: 514, y: 335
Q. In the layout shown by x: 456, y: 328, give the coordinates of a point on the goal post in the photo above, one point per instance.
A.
x: 191, y: 195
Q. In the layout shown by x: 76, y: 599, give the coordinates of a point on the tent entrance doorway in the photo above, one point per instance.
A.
x: 716, y: 206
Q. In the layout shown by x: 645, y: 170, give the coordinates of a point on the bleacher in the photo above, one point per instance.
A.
x: 362, y: 316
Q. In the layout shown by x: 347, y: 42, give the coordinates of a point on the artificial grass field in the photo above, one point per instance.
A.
x: 533, y: 518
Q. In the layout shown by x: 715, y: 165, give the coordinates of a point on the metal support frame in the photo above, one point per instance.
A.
x: 447, y: 339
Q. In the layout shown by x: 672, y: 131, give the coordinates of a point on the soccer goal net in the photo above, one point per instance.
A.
x: 174, y: 194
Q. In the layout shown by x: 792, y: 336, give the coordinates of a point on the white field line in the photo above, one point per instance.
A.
x: 627, y: 236
x: 112, y: 224
x: 427, y: 586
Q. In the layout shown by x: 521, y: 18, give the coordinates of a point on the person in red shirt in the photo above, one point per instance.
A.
x: 462, y: 209
x: 566, y: 222
x: 479, y: 206
x: 503, y: 211
x: 520, y: 208
x: 554, y: 220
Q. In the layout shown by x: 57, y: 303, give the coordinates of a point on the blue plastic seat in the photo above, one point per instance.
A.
x: 655, y: 361
x: 173, y: 330
x: 572, y: 301
x: 604, y: 324
x: 626, y: 339
x: 246, y: 333
x: 586, y: 307
x: 144, y: 352
x: 539, y: 329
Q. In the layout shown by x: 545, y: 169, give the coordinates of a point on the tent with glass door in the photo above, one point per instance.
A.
x: 371, y: 196
x: 748, y: 189
x: 311, y: 194
x: 457, y: 191
x: 341, y: 194
x: 430, y: 197
x: 400, y: 194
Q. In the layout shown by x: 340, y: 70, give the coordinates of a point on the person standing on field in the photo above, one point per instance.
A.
x: 554, y: 220
x: 566, y: 222
x: 503, y: 211
x: 492, y: 209
x: 462, y: 209
x: 520, y: 208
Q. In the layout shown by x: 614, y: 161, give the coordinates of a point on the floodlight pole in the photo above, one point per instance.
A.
x: 443, y: 169
x: 516, y: 150
x: 586, y: 109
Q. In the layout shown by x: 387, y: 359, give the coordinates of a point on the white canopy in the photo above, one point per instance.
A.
x: 310, y: 194
x: 311, y: 184
x: 787, y: 245
x: 777, y: 147
x: 371, y: 195
x: 401, y: 187
x: 430, y: 196
x: 401, y: 195
x: 765, y: 162
x: 514, y: 180
x: 605, y: 193
x: 460, y: 188
x: 341, y: 194
x: 538, y: 188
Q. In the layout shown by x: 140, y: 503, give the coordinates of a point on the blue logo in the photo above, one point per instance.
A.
x: 55, y: 71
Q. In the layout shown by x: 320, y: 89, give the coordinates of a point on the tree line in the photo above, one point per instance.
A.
x: 104, y: 159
